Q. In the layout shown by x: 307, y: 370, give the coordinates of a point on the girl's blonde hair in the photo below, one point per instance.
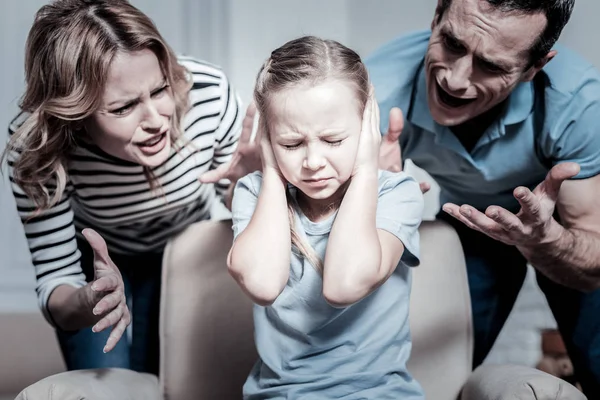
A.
x: 307, y: 61
x: 69, y: 51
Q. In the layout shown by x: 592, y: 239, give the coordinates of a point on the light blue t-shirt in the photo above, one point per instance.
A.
x: 553, y: 119
x: 311, y: 350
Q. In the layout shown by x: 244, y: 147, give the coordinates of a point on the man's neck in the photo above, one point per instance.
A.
x: 469, y: 132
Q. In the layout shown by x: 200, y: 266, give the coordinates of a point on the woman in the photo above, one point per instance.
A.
x: 105, y: 157
x: 323, y: 238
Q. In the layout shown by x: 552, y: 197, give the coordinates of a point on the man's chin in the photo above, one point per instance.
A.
x: 449, y: 117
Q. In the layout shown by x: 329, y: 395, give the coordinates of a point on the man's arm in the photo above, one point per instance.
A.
x: 572, y: 257
x: 568, y: 254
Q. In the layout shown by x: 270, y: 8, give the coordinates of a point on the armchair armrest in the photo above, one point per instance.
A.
x: 509, y: 382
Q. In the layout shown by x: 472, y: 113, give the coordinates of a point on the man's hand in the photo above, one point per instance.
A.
x: 246, y: 158
x: 107, y: 296
x: 390, y: 154
x: 533, y: 224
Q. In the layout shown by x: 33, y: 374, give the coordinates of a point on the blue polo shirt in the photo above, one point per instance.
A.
x: 553, y: 119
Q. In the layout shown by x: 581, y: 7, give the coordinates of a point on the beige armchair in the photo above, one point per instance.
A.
x: 207, y: 344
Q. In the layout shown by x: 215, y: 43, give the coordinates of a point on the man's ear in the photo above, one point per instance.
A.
x: 535, y: 68
x: 436, y: 16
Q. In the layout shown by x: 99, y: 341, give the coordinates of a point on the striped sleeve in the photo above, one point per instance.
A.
x: 51, y: 240
x: 229, y: 131
x: 213, y: 97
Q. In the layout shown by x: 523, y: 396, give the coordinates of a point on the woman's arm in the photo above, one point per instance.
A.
x: 260, y: 257
x: 71, y: 307
x: 50, y: 236
x: 205, y: 96
x: 66, y: 300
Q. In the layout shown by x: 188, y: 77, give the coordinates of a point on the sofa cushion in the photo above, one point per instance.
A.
x: 440, y: 314
x: 94, y: 384
x: 207, y: 334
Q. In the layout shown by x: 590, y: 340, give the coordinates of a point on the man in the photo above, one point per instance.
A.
x: 514, y: 142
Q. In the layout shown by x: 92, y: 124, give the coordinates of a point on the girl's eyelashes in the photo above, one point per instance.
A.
x: 334, y: 142
x: 330, y: 142
x: 291, y: 146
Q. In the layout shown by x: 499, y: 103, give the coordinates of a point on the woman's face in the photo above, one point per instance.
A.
x: 133, y: 122
x: 314, y: 133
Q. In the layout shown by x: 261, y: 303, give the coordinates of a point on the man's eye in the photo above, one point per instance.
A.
x: 493, y: 68
x: 452, y: 45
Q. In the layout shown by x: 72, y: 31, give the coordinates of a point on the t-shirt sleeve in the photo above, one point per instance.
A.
x: 245, y: 198
x: 399, y: 212
x: 575, y: 135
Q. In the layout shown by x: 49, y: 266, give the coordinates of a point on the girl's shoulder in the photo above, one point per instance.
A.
x: 398, y: 181
x: 251, y: 182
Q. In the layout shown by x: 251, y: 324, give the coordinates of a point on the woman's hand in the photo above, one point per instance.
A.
x: 367, y: 156
x: 107, y: 292
x: 246, y: 158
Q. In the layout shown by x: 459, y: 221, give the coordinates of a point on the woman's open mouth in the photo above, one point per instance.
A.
x: 449, y: 100
x: 154, y: 144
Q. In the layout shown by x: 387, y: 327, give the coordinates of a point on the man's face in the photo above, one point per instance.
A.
x: 476, y: 56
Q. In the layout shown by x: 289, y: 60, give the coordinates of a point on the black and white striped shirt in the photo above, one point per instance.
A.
x: 114, y: 197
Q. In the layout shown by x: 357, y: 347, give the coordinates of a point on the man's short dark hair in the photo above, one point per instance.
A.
x: 557, y: 14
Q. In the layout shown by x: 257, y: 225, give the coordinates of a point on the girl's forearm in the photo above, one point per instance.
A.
x: 353, y: 258
x: 260, y: 256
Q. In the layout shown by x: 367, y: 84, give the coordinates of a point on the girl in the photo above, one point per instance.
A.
x: 323, y: 239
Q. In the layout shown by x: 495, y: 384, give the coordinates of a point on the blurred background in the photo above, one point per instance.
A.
x: 238, y: 35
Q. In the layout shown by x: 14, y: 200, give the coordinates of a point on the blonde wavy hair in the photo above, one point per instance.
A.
x: 307, y: 61
x: 69, y: 51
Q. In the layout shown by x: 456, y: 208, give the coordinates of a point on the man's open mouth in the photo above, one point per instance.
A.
x: 450, y: 100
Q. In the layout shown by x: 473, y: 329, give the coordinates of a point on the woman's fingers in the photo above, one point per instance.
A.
x: 106, y: 283
x: 110, y: 319
x: 117, y: 333
x: 108, y: 302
